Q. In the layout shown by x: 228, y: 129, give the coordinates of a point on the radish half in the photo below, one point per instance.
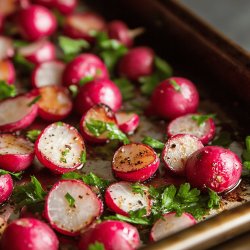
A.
x: 187, y: 125
x: 170, y: 224
x: 17, y: 113
x: 60, y: 148
x: 48, y: 73
x: 68, y: 218
x: 6, y: 48
x: 135, y: 162
x: 7, y: 71
x: 120, y: 198
x: 6, y: 187
x: 16, y: 153
x: 127, y: 122
x: 177, y: 150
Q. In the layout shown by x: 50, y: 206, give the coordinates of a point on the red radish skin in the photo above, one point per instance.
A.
x: 177, y: 150
x: 127, y: 122
x: 60, y: 147
x: 96, y: 92
x: 213, y: 167
x: 6, y: 187
x: 114, y: 235
x: 7, y: 71
x: 65, y: 7
x: 39, y: 52
x: 1, y: 23
x: 169, y: 103
x: 120, y: 198
x: 98, y: 112
x: 55, y: 103
x: 48, y: 73
x: 135, y: 162
x: 29, y: 233
x: 6, y: 48
x: 80, y: 25
x: 186, y: 125
x: 84, y: 65
x: 36, y: 22
x: 71, y: 220
x: 46, y: 3
x: 136, y: 63
x: 170, y: 224
x: 16, y: 153
x: 16, y: 113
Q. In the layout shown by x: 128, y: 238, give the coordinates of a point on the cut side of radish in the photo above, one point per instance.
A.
x: 55, y: 103
x: 177, y: 150
x: 17, y: 113
x: 170, y: 224
x: 68, y: 218
x: 6, y: 187
x: 187, y: 125
x: 16, y: 153
x: 6, y: 48
x: 120, y: 198
x: 7, y: 71
x: 135, y: 162
x: 60, y: 148
x: 127, y: 122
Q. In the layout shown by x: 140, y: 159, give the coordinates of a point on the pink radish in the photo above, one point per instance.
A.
x: 80, y: 25
x: 38, y: 52
x: 36, y: 22
x: 127, y: 122
x: 7, y: 71
x: 177, y: 150
x: 135, y: 162
x: 99, y: 91
x: 213, y: 167
x: 6, y: 187
x: 136, y: 63
x: 55, y: 103
x: 170, y: 224
x: 187, y: 125
x: 60, y: 148
x: 3, y: 225
x: 18, y: 112
x: 84, y: 65
x: 29, y: 233
x: 46, y: 3
x: 65, y: 7
x: 16, y: 153
x: 120, y: 198
x: 6, y: 48
x: 113, y: 235
x: 174, y: 97
x: 99, y: 112
x: 72, y: 206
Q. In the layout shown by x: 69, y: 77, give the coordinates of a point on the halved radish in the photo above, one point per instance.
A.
x: 120, y: 198
x: 99, y: 112
x: 127, y: 122
x: 6, y: 187
x: 60, y: 148
x: 170, y: 224
x: 135, y: 162
x: 48, y: 73
x: 55, y: 103
x: 6, y: 48
x: 177, y: 150
x: 71, y: 216
x: 38, y: 52
x: 16, y: 153
x: 187, y: 125
x: 7, y: 71
x: 18, y: 112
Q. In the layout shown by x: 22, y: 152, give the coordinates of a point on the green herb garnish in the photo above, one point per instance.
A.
x: 83, y: 157
x: 20, y: 43
x: 139, y: 188
x: 33, y: 134
x: 96, y: 246
x: 201, y: 119
x: 63, y: 155
x: 86, y: 79
x: 35, y: 100
x: 126, y: 87
x: 23, y: 63
x: 6, y: 90
x: 16, y: 175
x: 70, y: 200
x: 153, y: 142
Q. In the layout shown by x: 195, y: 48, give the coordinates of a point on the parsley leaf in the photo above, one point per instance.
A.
x: 176, y: 86
x: 201, y: 119
x: 6, y: 90
x: 126, y: 87
x: 16, y: 175
x: 214, y: 199
x: 70, y: 200
x: 83, y: 157
x: 86, y: 79
x: 23, y: 63
x: 35, y: 100
x: 73, y: 90
x: 96, y: 246
x: 139, y: 188
x: 20, y: 43
x: 246, y: 154
x: 153, y: 142
x: 33, y: 134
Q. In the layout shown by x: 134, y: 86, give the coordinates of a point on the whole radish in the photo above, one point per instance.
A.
x: 6, y: 187
x: 213, y: 167
x: 29, y: 233
x: 7, y: 71
x: 65, y: 7
x: 6, y: 48
x: 174, y: 97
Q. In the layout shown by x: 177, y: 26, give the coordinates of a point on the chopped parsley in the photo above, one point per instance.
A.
x: 35, y: 100
x: 139, y: 188
x: 83, y: 157
x: 16, y: 175
x: 153, y: 142
x: 201, y: 119
x: 6, y: 90
x: 246, y: 154
x: 33, y: 134
x: 70, y: 200
x: 73, y: 90
x: 86, y: 79
x: 63, y: 155
x: 175, y: 85
x: 96, y: 246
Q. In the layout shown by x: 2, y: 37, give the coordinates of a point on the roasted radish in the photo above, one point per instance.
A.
x: 18, y: 112
x: 135, y: 162
x: 7, y: 71
x: 127, y: 122
x: 99, y: 91
x: 177, y: 150
x: 120, y: 198
x: 29, y: 233
x: 113, y: 235
x: 6, y: 48
x: 6, y: 187
x: 213, y: 167
x: 60, y: 148
x: 72, y: 206
x: 170, y: 224
x: 55, y: 103
x: 187, y: 124
x: 16, y: 153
